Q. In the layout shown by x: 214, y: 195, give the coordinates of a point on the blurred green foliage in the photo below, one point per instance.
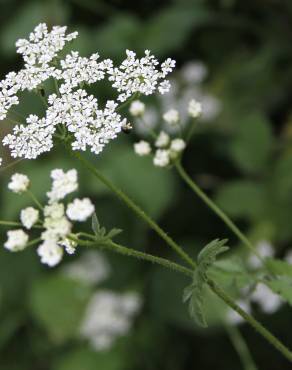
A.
x: 246, y: 152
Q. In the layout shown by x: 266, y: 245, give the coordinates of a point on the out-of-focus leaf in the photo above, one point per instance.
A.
x: 279, y: 267
x: 252, y: 145
x: 58, y: 303
x: 159, y: 35
x: 242, y: 199
x: 283, y: 287
x: 151, y: 187
x: 88, y: 359
x: 29, y: 15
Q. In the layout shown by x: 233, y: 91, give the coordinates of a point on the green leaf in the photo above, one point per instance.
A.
x: 58, y: 303
x: 279, y: 267
x: 95, y: 224
x: 195, y: 292
x: 209, y: 253
x: 283, y: 287
x: 252, y: 144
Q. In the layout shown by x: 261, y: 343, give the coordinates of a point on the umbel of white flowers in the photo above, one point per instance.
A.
x: 89, y: 124
x: 54, y: 218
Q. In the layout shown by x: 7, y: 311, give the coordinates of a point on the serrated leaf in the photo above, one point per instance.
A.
x: 208, y: 254
x: 114, y: 232
x: 95, y: 224
x: 279, y: 267
x: 197, y: 300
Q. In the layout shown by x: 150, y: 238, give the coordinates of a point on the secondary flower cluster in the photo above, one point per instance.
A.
x: 166, y: 149
x: 71, y: 106
x: 54, y: 219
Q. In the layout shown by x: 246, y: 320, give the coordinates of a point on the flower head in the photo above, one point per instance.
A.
x: 80, y: 209
x: 137, y: 108
x: 142, y: 148
x: 194, y: 108
x: 29, y: 217
x: 19, y: 183
x: 17, y: 240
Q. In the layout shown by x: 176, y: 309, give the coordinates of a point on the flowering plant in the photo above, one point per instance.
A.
x: 77, y: 120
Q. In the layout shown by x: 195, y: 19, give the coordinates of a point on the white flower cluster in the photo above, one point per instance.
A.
x: 55, y: 218
x: 72, y: 107
x: 166, y: 149
x: 109, y: 315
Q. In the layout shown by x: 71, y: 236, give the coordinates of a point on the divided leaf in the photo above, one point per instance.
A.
x: 194, y: 293
x: 100, y: 232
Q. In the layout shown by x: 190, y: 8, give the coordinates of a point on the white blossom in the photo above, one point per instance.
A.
x: 142, y: 148
x: 29, y: 217
x: 108, y: 316
x: 19, y: 183
x: 69, y: 245
x: 177, y: 145
x: 171, y: 117
x: 50, y: 252
x: 137, y: 108
x: 161, y: 158
x: 63, y: 184
x: 80, y: 209
x: 17, y: 240
x: 268, y: 301
x: 233, y: 317
x: 92, y: 267
x: 194, y: 108
x: 162, y: 140
x: 265, y: 250
x: 140, y: 75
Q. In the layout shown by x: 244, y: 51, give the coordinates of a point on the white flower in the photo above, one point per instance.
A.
x: 19, y: 183
x: 108, y: 316
x: 29, y: 217
x: 171, y: 116
x: 142, y: 148
x: 265, y: 250
x: 233, y: 317
x: 137, y: 108
x: 162, y: 140
x: 177, y: 145
x: 56, y: 228
x: 55, y: 210
x: 268, y: 301
x: 161, y: 158
x: 64, y: 183
x: 17, y: 240
x: 50, y: 252
x: 80, y: 209
x: 140, y: 75
x: 92, y: 268
x: 69, y: 245
x: 194, y: 72
x: 194, y: 108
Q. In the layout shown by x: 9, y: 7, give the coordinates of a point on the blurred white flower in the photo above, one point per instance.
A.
x: 233, y: 317
x: 92, y: 268
x: 17, y: 240
x: 142, y: 148
x: 108, y: 316
x: 63, y: 184
x: 268, y: 301
x: 171, y: 116
x: 265, y: 250
x: 162, y: 140
x: 137, y: 108
x: 177, y: 145
x: 194, y: 108
x: 80, y: 209
x: 50, y: 252
x: 194, y: 72
x: 29, y: 217
x: 19, y: 183
x: 161, y: 158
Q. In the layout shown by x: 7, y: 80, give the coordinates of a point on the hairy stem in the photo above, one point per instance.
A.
x: 215, y: 208
x: 188, y: 272
x: 136, y: 209
x: 241, y: 347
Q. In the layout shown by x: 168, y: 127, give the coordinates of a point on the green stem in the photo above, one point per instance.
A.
x: 215, y: 208
x: 251, y: 320
x: 188, y: 272
x: 35, y: 200
x: 134, y: 207
x: 241, y: 347
x: 2, y: 169
x: 10, y: 223
x: 33, y: 242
